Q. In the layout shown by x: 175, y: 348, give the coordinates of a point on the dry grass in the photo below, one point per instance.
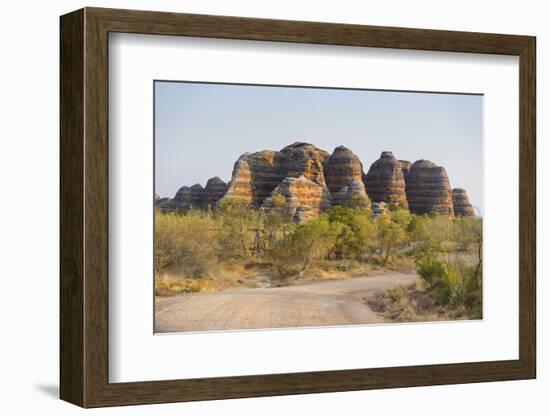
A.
x: 233, y: 274
x: 167, y: 285
x: 415, y: 303
x: 401, y: 263
x: 227, y: 276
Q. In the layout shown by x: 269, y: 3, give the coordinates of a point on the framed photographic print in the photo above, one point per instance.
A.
x: 255, y: 207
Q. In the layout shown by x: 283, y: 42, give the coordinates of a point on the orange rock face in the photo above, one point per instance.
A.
x: 256, y: 175
x: 304, y: 159
x: 241, y: 181
x: 304, y: 198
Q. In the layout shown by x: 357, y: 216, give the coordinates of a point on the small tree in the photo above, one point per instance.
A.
x: 401, y: 217
x: 277, y: 220
x: 238, y: 221
x: 357, y: 231
x: 390, y: 236
x: 417, y: 229
x: 309, y: 243
x: 313, y: 240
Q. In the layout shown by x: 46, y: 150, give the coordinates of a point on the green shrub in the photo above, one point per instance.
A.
x: 431, y: 270
x: 451, y: 289
x: 390, y: 235
x: 306, y: 246
x: 357, y: 234
x: 236, y: 220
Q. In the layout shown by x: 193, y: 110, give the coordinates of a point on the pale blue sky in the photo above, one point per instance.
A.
x: 201, y: 129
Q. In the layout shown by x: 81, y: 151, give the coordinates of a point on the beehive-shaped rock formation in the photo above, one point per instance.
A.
x: 214, y: 190
x: 197, y: 196
x: 342, y: 168
x: 461, y: 203
x: 311, y: 180
x: 182, y: 201
x: 256, y: 175
x: 384, y: 181
x: 304, y: 198
x: 428, y: 189
x: 304, y: 159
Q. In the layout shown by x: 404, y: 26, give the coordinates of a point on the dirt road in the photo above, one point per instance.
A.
x: 338, y: 302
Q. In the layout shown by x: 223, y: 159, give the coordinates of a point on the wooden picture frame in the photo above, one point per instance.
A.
x: 84, y: 207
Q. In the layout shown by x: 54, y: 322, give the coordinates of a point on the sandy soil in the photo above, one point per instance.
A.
x: 340, y: 302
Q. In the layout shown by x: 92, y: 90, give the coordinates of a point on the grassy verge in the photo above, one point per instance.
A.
x: 261, y: 273
x: 417, y: 303
x: 449, y: 289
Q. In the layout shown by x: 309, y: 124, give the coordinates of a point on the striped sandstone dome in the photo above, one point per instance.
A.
x: 312, y: 180
x: 428, y: 189
x: 461, y: 203
x: 384, y: 181
x: 343, y: 167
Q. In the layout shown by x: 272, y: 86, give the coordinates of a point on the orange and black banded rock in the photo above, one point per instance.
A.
x: 182, y: 201
x: 353, y: 196
x: 214, y: 190
x: 256, y: 175
x: 428, y: 189
x: 406, y: 169
x: 342, y: 168
x: 311, y: 180
x: 183, y: 197
x: 307, y: 160
x: 384, y: 181
x: 197, y: 196
x: 304, y: 198
x: 461, y: 203
x: 240, y: 186
x: 268, y: 169
x: 194, y: 197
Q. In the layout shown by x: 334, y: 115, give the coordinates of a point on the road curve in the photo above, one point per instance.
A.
x: 339, y: 302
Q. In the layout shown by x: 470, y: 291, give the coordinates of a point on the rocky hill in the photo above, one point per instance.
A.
x: 311, y: 181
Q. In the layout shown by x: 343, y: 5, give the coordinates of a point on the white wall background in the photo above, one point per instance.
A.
x: 29, y: 159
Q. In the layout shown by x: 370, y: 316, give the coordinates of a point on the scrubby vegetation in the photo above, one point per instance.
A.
x: 448, y: 256
x: 237, y: 245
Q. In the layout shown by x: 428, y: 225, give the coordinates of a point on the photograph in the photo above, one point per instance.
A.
x: 278, y: 206
x: 282, y: 206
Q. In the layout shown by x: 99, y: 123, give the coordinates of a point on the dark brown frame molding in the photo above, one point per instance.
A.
x: 84, y: 207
